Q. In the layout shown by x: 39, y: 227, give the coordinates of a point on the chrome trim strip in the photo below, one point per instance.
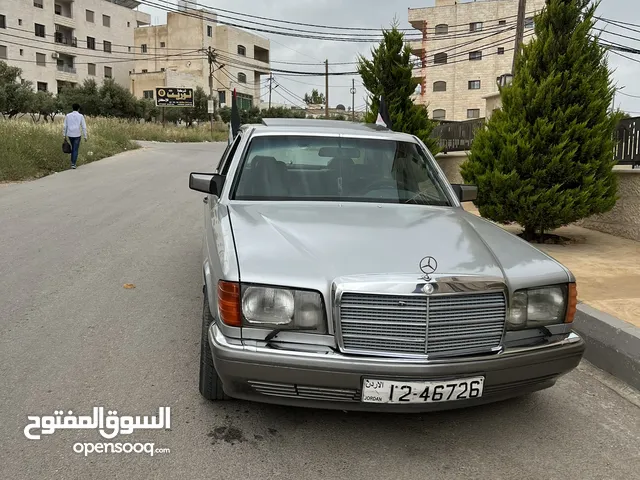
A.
x: 216, y: 337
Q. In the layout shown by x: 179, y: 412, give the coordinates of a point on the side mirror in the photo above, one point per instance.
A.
x: 466, y: 193
x: 206, y: 183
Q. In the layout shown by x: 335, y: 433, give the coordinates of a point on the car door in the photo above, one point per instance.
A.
x: 218, y: 257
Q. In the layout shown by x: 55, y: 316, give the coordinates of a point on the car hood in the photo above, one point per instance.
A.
x: 308, y: 245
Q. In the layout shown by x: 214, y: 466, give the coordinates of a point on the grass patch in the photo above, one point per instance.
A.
x: 33, y: 150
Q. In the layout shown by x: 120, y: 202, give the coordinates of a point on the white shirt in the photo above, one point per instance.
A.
x: 73, y: 123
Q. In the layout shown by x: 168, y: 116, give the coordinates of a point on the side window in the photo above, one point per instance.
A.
x: 226, y: 162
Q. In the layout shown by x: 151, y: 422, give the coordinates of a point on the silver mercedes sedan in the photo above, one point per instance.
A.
x: 340, y: 271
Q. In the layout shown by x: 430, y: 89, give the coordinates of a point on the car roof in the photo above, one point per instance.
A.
x: 330, y: 127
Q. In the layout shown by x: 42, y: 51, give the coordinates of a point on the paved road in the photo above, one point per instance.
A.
x: 71, y: 337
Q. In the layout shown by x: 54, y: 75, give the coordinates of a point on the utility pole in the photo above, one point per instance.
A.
x: 270, y: 82
x: 522, y: 4
x: 326, y: 88
x: 353, y: 100
x: 212, y: 58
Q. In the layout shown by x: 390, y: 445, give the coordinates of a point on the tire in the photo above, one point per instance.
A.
x: 210, y: 383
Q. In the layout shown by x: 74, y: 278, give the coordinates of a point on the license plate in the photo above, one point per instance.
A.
x: 387, y: 391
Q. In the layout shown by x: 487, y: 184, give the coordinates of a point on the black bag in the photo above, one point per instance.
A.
x: 66, y: 146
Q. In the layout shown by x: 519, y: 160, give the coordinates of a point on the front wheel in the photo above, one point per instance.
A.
x: 210, y: 383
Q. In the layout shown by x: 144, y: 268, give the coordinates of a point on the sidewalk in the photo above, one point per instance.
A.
x: 607, y: 268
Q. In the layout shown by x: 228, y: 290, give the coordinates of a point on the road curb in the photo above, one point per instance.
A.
x: 612, y: 344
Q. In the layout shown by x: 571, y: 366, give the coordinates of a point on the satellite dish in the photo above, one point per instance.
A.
x: 188, y: 64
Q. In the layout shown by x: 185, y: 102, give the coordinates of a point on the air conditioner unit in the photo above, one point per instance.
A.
x: 54, y: 55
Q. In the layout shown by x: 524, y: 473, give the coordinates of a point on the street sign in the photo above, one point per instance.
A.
x: 210, y: 106
x: 174, y: 97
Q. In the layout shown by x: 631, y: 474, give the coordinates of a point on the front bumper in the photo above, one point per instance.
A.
x: 326, y: 379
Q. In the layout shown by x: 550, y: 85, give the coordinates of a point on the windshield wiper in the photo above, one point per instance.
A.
x: 426, y: 200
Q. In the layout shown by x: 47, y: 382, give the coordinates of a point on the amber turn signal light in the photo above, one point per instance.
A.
x: 572, y: 304
x: 229, y: 303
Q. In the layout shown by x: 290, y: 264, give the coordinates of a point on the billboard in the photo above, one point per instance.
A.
x: 174, y: 97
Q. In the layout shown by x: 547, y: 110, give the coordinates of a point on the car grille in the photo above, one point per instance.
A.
x: 308, y: 393
x: 441, y: 325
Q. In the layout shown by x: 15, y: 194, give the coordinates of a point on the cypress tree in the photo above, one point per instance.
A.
x: 390, y: 73
x: 545, y: 159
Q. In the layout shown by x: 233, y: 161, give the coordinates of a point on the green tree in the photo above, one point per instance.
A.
x: 43, y: 105
x: 116, y: 100
x: 390, y: 73
x: 86, y: 95
x: 315, y: 98
x: 15, y: 96
x: 200, y: 110
x: 545, y: 160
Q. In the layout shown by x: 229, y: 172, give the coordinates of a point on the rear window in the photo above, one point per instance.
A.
x: 315, y: 168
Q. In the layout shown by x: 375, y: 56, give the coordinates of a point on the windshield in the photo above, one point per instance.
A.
x: 338, y: 169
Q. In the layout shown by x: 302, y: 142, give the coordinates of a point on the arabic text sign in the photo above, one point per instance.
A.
x: 109, y: 426
x: 174, y: 97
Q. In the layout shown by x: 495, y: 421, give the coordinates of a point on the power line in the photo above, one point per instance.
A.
x: 627, y: 94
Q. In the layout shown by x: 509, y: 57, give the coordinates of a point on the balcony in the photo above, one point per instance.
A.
x: 64, y: 40
x: 65, y: 69
x: 63, y: 11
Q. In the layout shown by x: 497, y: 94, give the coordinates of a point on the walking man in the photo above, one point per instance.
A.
x: 73, y: 128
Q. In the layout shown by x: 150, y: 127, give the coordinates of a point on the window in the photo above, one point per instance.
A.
x: 528, y: 23
x: 473, y: 113
x: 440, y: 58
x: 144, y: 70
x: 57, y: 9
x: 474, y: 84
x: 143, y: 48
x: 41, y: 59
x: 502, y: 22
x: 289, y: 168
x: 3, y: 52
x: 3, y: 21
x: 129, y: 49
x: 39, y: 30
x: 19, y: 21
x: 439, y: 114
x: 38, y: 3
x: 500, y: 50
x: 128, y: 24
x: 209, y: 31
x: 442, y: 29
x: 162, y: 44
x: 148, y: 94
x: 242, y: 51
x: 21, y: 52
x: 107, y: 46
x: 107, y: 72
x: 90, y: 15
x: 439, y: 86
x: 106, y: 21
x: 475, y: 27
x: 477, y: 55
x: 222, y: 97
x: 42, y: 86
x: 162, y: 69
x: 242, y: 78
x: 91, y: 43
x: 91, y: 68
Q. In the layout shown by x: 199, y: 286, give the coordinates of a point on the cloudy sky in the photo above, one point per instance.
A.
x: 378, y: 14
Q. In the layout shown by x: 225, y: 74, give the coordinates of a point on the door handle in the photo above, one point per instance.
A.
x: 205, y: 200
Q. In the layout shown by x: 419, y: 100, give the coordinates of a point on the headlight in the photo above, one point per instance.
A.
x: 536, y: 307
x: 278, y: 307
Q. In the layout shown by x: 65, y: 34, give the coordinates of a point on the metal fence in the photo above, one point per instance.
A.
x: 627, y: 138
x: 456, y: 136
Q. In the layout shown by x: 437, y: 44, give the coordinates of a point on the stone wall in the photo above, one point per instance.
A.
x: 450, y: 164
x: 624, y: 219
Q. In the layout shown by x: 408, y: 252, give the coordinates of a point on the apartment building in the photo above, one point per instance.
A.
x: 60, y: 43
x: 464, y: 48
x: 174, y: 55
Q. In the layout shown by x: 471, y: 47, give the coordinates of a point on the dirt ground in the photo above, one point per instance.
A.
x: 607, y: 268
